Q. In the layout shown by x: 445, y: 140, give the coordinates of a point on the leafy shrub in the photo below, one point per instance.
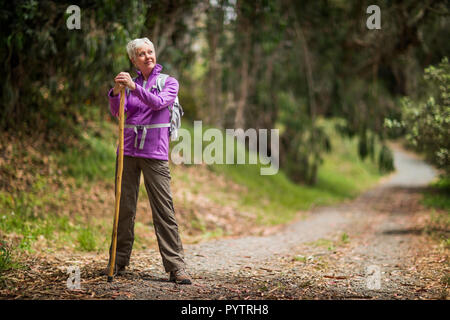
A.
x: 386, y: 160
x: 427, y: 123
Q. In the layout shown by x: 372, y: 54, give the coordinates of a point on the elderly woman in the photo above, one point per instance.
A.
x: 146, y: 149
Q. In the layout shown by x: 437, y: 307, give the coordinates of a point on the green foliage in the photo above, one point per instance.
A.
x: 344, y: 238
x: 6, y: 260
x: 302, y: 141
x: 438, y: 195
x: 22, y: 214
x: 86, y: 239
x: 51, y: 72
x: 94, y: 159
x: 428, y: 123
x: 386, y: 160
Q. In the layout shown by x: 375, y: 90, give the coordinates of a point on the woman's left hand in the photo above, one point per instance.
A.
x: 125, y: 79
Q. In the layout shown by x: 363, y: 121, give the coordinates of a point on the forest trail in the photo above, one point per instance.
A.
x: 372, y: 247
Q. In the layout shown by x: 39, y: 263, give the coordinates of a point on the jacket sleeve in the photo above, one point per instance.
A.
x: 161, y: 99
x: 114, y: 103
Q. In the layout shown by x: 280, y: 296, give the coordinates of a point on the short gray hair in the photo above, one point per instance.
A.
x: 133, y: 45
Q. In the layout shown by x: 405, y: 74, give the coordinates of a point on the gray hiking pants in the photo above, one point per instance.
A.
x: 157, y: 183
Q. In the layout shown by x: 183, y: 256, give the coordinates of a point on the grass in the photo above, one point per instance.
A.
x: 331, y: 245
x: 95, y: 159
x: 437, y: 197
x: 8, y: 262
x: 32, y: 216
x: 34, y: 213
x: 22, y: 214
x: 344, y: 238
x: 300, y: 258
x: 6, y: 257
x: 86, y: 239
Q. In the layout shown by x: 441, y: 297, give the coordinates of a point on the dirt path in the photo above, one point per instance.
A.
x: 369, y: 248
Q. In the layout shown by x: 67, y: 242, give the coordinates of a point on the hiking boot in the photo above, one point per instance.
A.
x: 180, y: 276
x: 118, y: 270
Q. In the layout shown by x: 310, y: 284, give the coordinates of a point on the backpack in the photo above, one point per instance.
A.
x: 176, y: 111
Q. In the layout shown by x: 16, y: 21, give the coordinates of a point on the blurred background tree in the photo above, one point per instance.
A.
x: 427, y: 121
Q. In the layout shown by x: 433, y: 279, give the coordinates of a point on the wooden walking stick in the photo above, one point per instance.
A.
x: 118, y: 187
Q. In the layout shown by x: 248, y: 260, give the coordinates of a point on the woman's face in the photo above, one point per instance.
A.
x: 145, y: 59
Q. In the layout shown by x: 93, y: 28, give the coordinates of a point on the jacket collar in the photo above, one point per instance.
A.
x: 156, y: 70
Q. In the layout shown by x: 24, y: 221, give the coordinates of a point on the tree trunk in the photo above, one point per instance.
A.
x: 214, y: 84
x: 239, y: 120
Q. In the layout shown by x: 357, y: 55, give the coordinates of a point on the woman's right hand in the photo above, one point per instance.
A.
x: 117, y: 88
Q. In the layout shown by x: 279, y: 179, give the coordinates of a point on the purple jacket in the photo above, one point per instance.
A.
x: 144, y: 106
